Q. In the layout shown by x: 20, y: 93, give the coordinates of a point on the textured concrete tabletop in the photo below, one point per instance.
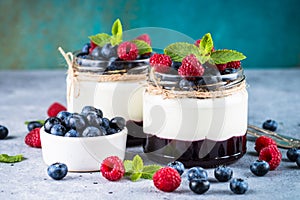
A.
x: 26, y: 95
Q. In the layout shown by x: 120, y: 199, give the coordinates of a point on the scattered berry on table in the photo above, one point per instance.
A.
x: 298, y: 161
x: 238, y: 186
x: 272, y: 155
x: 190, y: 67
x: 223, y: 173
x: 117, y: 123
x: 57, y: 171
x: 127, y: 51
x: 3, y: 132
x: 50, y: 122
x: 197, y: 173
x: 33, y: 138
x: 112, y: 168
x: 72, y: 133
x: 167, y: 179
x: 234, y: 64
x: 160, y: 62
x: 178, y: 166
x: 145, y: 38
x: 34, y: 124
x: 270, y: 125
x: 58, y: 129
x: 55, y: 108
x: 292, y: 154
x: 260, y: 167
x: 199, y: 186
x: 263, y: 141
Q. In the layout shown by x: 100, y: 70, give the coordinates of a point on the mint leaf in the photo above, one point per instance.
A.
x: 149, y: 171
x: 116, y: 32
x: 206, y: 45
x: 137, y: 163
x: 225, y: 56
x: 100, y: 39
x: 10, y: 159
x: 41, y: 121
x: 177, y: 51
x: 136, y: 176
x: 116, y: 28
x: 143, y: 47
x: 128, y: 167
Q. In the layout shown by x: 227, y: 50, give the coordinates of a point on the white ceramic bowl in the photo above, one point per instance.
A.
x: 82, y: 154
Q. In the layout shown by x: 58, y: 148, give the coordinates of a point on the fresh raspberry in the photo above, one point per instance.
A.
x: 221, y: 67
x: 190, y: 67
x: 144, y: 37
x: 33, y: 138
x: 128, y: 51
x: 93, y: 46
x: 167, y: 179
x: 55, y: 108
x: 234, y: 64
x: 160, y: 62
x: 262, y: 142
x: 272, y: 155
x: 112, y: 168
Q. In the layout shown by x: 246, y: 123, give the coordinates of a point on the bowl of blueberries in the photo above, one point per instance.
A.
x: 82, y: 140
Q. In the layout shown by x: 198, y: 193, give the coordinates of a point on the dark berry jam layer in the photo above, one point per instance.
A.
x: 205, y: 153
x: 136, y: 135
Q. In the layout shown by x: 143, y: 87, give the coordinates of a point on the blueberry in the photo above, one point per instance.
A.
x: 57, y: 171
x: 238, y: 186
x: 229, y: 71
x: 199, y: 186
x: 292, y: 154
x: 175, y: 65
x: 116, y: 65
x: 58, y: 129
x: 298, y: 161
x: 34, y: 124
x: 103, y: 130
x: 223, y: 173
x: 76, y: 121
x: 72, y: 133
x: 96, y: 52
x: 117, y: 123
x: 196, y: 173
x: 92, y: 131
x: 3, y: 132
x: 178, y: 166
x: 270, y: 125
x: 186, y: 84
x: 260, y: 167
x: 51, y: 121
x: 88, y: 109
x: 105, y: 123
x: 86, y: 48
x: 93, y: 119
x: 109, y: 51
x: 111, y: 131
x: 63, y: 115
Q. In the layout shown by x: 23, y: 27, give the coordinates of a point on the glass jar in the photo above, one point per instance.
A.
x: 203, y: 125
x: 115, y: 86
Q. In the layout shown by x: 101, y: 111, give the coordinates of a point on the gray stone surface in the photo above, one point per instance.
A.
x: 25, y: 95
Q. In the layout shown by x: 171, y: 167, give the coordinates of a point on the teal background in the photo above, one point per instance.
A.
x: 267, y: 32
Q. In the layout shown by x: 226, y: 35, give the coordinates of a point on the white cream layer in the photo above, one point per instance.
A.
x: 117, y: 98
x: 196, y: 119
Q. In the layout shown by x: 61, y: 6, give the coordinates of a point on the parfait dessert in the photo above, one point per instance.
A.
x: 195, y: 105
x: 110, y: 74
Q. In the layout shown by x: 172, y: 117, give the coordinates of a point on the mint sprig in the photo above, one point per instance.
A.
x: 143, y: 47
x: 179, y: 50
x: 135, y: 169
x: 116, y: 38
x: 10, y: 159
